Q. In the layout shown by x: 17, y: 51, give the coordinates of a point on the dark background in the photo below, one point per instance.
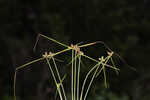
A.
x: 122, y: 24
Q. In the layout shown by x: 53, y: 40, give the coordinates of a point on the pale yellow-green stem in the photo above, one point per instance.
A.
x: 54, y: 40
x: 72, y: 85
x: 78, y: 79
x: 89, y: 86
x: 59, y: 78
x: 58, y: 88
x: 75, y: 72
x: 82, y: 90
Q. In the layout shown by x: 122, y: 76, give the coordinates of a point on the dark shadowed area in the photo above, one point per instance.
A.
x: 124, y: 25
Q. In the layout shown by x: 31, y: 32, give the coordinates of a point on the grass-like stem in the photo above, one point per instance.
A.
x: 52, y: 72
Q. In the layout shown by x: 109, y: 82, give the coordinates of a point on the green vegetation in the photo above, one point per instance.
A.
x: 77, y: 55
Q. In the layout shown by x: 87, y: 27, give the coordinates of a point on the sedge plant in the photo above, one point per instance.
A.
x: 78, y: 91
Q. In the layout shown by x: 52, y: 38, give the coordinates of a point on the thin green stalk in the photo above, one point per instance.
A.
x: 78, y: 79
x: 59, y: 78
x: 15, y: 85
x: 53, y: 40
x: 75, y: 72
x: 62, y: 51
x: 105, y: 80
x: 81, y: 95
x: 91, y: 58
x: 60, y: 95
x: 89, y: 44
x: 29, y: 63
x: 91, y: 82
x: 72, y: 85
x: 103, y: 67
x: 114, y: 65
x: 72, y: 60
x: 102, y: 63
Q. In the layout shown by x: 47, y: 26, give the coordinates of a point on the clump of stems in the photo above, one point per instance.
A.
x: 77, y: 56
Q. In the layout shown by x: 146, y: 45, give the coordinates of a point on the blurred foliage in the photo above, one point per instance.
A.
x: 6, y: 97
x: 122, y: 24
x: 108, y: 95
